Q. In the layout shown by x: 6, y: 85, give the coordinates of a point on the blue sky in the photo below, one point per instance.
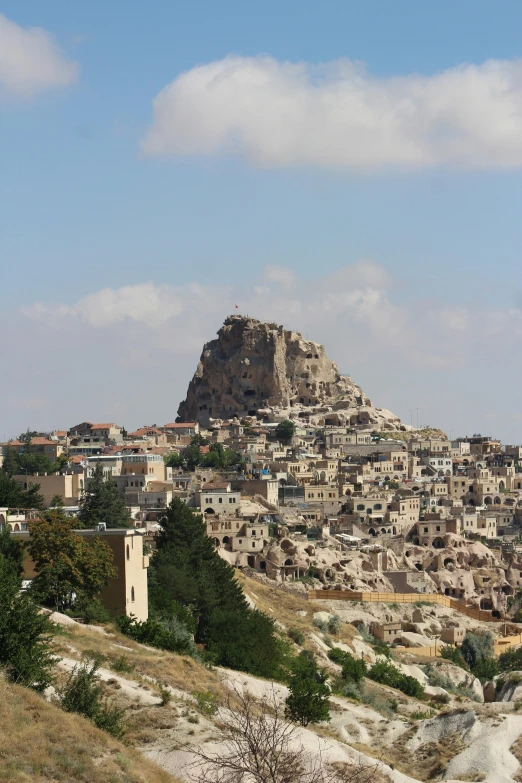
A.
x: 351, y: 169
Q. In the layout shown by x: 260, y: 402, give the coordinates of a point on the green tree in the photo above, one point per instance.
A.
x: 199, y: 440
x: 83, y: 693
x: 27, y: 436
x: 187, y: 573
x: 11, y: 550
x: 219, y: 457
x: 285, y: 431
x: 387, y: 673
x: 246, y: 641
x: 353, y: 669
x: 476, y: 648
x: 174, y: 460
x: 453, y: 654
x: 10, y: 463
x: 13, y: 496
x: 69, y: 568
x: 25, y: 633
x: 102, y: 503
x: 30, y: 462
x: 57, y: 501
x: 192, y: 457
x: 511, y: 660
x: 187, y: 569
x: 309, y: 692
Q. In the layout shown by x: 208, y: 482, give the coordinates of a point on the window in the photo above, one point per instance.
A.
x: 220, y: 500
x: 425, y: 529
x: 128, y: 552
x: 133, y: 596
x: 253, y: 544
x: 360, y: 507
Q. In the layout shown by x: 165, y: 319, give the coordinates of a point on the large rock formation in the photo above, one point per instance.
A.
x: 260, y: 369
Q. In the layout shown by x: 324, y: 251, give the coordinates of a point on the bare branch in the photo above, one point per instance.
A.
x: 255, y: 744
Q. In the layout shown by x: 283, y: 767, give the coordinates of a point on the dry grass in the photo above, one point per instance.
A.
x: 516, y: 750
x: 428, y: 762
x: 40, y: 743
x: 283, y: 607
x: 167, y: 668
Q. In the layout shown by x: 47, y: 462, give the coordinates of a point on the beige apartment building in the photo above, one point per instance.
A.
x: 69, y: 486
x: 127, y: 593
x: 218, y: 498
x: 49, y: 448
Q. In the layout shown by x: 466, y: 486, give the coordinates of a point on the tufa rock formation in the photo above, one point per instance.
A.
x: 263, y: 370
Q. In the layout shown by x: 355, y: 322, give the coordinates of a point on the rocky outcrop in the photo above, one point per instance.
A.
x: 263, y: 370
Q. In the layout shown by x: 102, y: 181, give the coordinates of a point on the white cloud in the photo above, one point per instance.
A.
x: 128, y: 353
x: 30, y: 61
x: 338, y: 115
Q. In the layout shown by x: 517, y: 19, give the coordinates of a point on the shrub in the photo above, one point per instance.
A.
x: 511, y: 660
x: 309, y: 692
x: 207, y: 702
x: 353, y: 669
x: 485, y: 669
x: 452, y: 654
x: 381, y: 647
x: 83, y: 694
x: 296, y: 636
x: 334, y: 624
x: 90, y: 612
x: 322, y: 625
x: 122, y: 665
x: 476, y: 648
x: 365, y: 633
x: 421, y: 715
x: 348, y: 688
x: 377, y: 702
x: 25, y: 634
x: 167, y: 634
x: 165, y: 695
x: 387, y: 673
x: 437, y: 679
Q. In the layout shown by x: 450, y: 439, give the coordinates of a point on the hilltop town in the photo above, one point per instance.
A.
x: 299, y: 478
x: 361, y: 529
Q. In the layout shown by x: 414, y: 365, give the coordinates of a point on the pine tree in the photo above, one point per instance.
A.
x: 11, y: 550
x: 13, y: 496
x: 10, y: 464
x: 309, y: 693
x: 24, y: 633
x: 102, y: 503
x: 187, y: 569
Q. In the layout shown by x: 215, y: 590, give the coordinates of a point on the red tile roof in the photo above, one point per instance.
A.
x: 145, y: 431
x: 103, y: 426
x: 179, y: 425
x: 34, y: 442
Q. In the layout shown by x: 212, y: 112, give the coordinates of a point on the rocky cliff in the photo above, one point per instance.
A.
x: 261, y: 369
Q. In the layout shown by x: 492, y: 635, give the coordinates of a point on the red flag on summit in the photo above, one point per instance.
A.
x: 237, y: 307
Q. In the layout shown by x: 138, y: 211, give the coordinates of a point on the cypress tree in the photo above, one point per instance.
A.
x: 102, y: 503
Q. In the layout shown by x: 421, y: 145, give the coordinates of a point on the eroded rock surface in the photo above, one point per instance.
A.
x: 258, y: 368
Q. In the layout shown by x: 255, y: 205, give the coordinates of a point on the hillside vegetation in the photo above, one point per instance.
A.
x: 40, y: 743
